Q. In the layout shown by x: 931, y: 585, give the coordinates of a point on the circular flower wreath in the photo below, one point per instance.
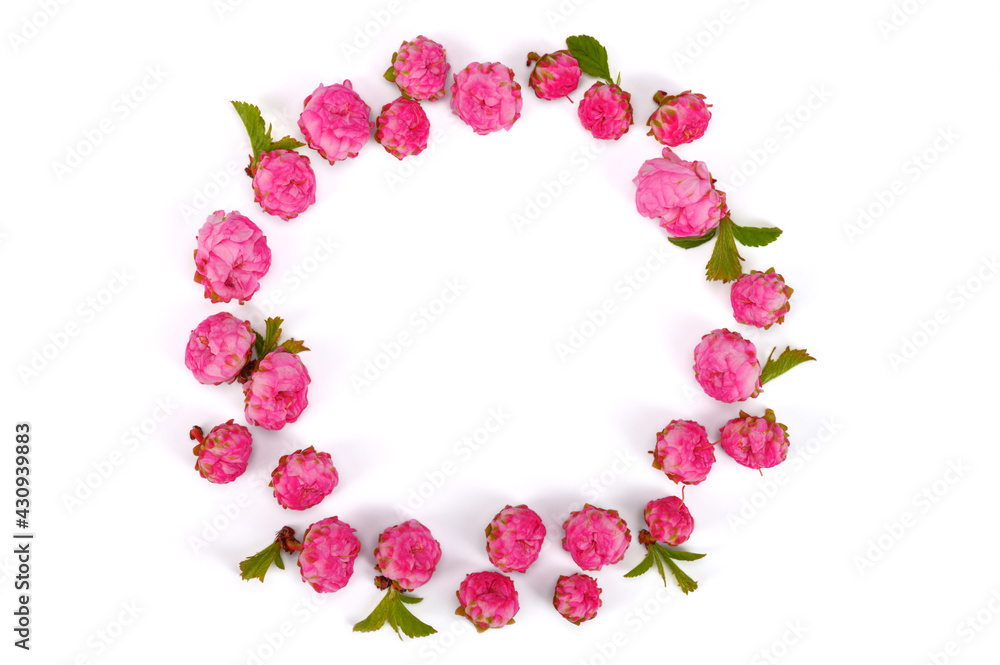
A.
x: 232, y: 256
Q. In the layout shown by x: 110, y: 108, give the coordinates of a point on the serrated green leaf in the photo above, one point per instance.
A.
x: 256, y: 566
x: 755, y: 236
x: 285, y: 143
x: 258, y: 345
x: 591, y: 55
x: 260, y: 133
x: 260, y: 139
x: 408, y: 623
x: 686, y: 584
x: 410, y: 600
x: 294, y: 345
x: 678, y: 554
x: 725, y: 262
x: 393, y: 620
x: 696, y: 241
x: 271, y: 334
x: 378, y: 617
x: 788, y: 359
x: 643, y: 566
x: 659, y: 564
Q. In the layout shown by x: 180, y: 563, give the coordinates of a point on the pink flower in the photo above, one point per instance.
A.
x: 335, y: 122
x: 760, y: 298
x: 555, y: 74
x: 486, y: 97
x: 408, y: 554
x: 680, y: 193
x: 402, y: 128
x: 284, y: 184
x: 419, y: 69
x: 223, y: 454
x: 218, y: 348
x: 756, y: 442
x: 595, y: 537
x: 488, y: 600
x: 514, y: 538
x: 726, y: 366
x: 577, y: 597
x: 679, y: 118
x: 606, y: 111
x: 669, y: 520
x: 683, y: 452
x: 303, y: 478
x: 329, y: 548
x: 278, y: 390
x: 231, y: 257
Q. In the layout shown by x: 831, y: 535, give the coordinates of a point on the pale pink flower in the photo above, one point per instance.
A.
x: 488, y: 600
x: 760, y: 298
x: 555, y: 75
x: 407, y: 554
x: 679, y: 118
x: 514, y: 538
x: 303, y: 478
x: 329, y: 548
x: 683, y: 452
x: 218, y: 348
x: 223, y: 453
x: 231, y: 258
x: 726, y: 366
x: 284, y: 183
x: 420, y: 69
x: 755, y: 442
x: 577, y: 597
x: 669, y: 520
x: 606, y: 111
x: 595, y: 537
x: 486, y: 97
x: 680, y: 194
x: 335, y: 121
x: 278, y: 390
x: 402, y: 128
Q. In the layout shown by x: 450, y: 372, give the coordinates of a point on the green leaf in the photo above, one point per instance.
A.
x: 256, y: 566
x: 378, y: 617
x: 259, y: 135
x: 695, y: 241
x: 677, y: 554
x: 393, y: 620
x: 407, y: 622
x: 593, y: 57
x: 285, y: 143
x: 271, y: 334
x: 396, y: 614
x: 755, y: 236
x: 258, y: 345
x: 686, y: 583
x: 411, y: 600
x: 788, y: 359
x: 659, y: 564
x: 294, y: 345
x: 643, y: 566
x: 725, y: 262
x: 390, y: 74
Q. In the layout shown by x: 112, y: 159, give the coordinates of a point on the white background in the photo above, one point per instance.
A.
x: 863, y: 541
